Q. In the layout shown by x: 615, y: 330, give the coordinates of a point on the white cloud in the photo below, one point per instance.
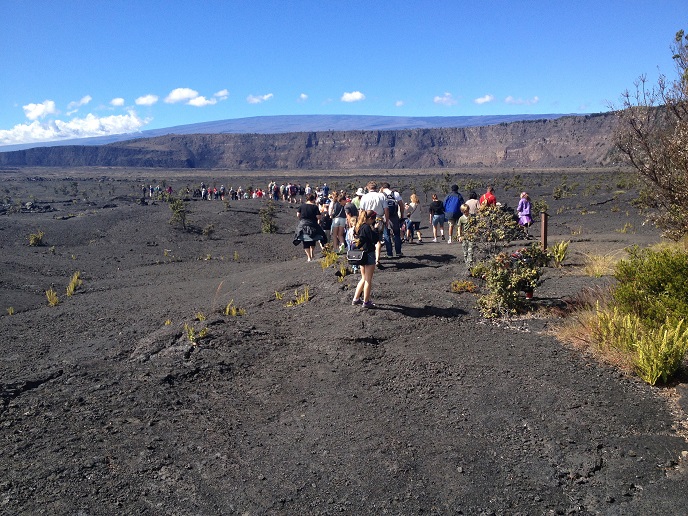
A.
x: 302, y: 98
x: 119, y: 101
x: 222, y: 94
x: 201, y: 101
x: 146, y: 100
x: 523, y: 102
x: 36, y: 111
x: 181, y: 95
x: 85, y: 127
x: 484, y: 100
x: 78, y: 103
x: 447, y: 99
x: 399, y: 103
x: 354, y: 96
x: 257, y: 99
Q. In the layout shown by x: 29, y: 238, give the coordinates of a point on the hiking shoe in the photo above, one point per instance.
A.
x: 368, y: 304
x: 358, y: 301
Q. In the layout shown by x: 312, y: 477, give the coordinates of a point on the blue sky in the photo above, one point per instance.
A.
x: 88, y: 68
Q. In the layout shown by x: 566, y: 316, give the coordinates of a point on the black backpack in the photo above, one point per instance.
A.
x: 392, y: 204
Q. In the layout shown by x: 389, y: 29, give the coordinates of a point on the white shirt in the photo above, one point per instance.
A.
x: 374, y: 201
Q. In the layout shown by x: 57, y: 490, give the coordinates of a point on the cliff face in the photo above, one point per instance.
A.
x: 566, y: 142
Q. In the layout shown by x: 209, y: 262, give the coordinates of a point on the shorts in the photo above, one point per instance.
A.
x: 338, y: 222
x: 437, y: 220
x: 368, y: 258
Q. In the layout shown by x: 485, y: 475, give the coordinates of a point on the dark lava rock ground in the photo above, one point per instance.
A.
x: 419, y: 406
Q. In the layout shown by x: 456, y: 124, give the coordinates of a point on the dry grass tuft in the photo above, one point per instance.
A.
x: 598, y: 265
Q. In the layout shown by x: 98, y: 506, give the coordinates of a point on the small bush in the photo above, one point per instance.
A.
x: 267, y: 218
x: 209, y: 230
x: 74, y: 283
x: 461, y: 286
x: 642, y: 325
x: 234, y: 311
x: 660, y: 351
x: 53, y: 300
x: 179, y: 213
x: 653, y: 285
x: 493, y: 229
x: 506, y: 276
x: 36, y: 239
x: 299, y: 299
x: 559, y: 251
x: 194, y: 335
x: 343, y: 271
x: 329, y: 258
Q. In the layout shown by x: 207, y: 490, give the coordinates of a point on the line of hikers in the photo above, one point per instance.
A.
x: 379, y: 216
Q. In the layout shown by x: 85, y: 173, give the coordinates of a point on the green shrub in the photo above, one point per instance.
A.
x: 234, y: 311
x: 652, y: 352
x: 36, y: 239
x: 653, y: 285
x: 267, y: 218
x: 493, y: 229
x: 558, y: 252
x: 179, y: 212
x: 506, y: 276
x: 660, y: 351
x: 646, y: 323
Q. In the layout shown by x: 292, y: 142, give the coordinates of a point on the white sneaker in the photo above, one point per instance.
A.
x: 434, y: 240
x: 449, y: 241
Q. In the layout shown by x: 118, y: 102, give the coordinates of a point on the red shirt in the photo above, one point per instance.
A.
x: 488, y: 198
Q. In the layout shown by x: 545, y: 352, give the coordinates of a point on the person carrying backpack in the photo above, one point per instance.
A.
x: 394, y: 213
x: 452, y: 209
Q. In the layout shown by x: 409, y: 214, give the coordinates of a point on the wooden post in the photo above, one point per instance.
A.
x: 543, y: 229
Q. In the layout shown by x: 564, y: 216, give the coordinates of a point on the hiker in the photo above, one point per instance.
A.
x: 452, y: 209
x: 394, y: 213
x: 338, y: 227
x: 357, y: 198
x: 436, y: 210
x: 463, y: 237
x: 375, y: 201
x: 309, y: 231
x: 413, y: 214
x: 367, y: 239
x: 488, y: 198
x: 473, y: 203
x: 524, y: 207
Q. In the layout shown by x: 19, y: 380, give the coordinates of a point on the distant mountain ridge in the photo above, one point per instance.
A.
x: 571, y: 141
x: 296, y: 124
